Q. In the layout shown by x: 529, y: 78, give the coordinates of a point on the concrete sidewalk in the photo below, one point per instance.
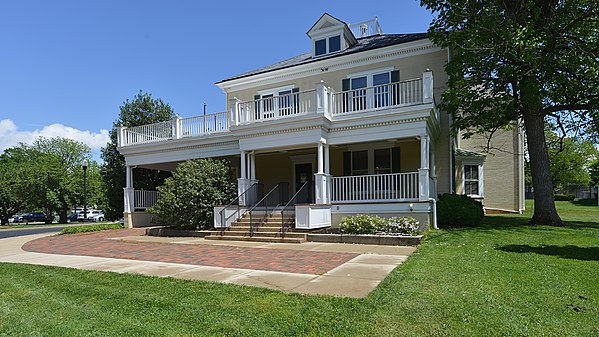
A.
x: 354, y: 278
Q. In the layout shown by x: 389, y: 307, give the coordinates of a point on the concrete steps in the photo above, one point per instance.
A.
x: 267, y: 231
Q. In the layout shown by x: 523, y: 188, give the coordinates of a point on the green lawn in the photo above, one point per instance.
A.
x: 503, y: 278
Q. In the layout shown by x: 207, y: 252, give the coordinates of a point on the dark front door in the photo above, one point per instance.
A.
x: 303, y: 174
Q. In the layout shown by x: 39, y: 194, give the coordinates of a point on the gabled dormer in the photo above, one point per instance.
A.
x: 330, y: 35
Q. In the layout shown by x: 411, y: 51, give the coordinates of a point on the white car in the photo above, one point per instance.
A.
x: 96, y: 215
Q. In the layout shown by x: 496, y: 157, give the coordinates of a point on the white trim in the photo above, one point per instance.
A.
x: 276, y: 91
x: 370, y: 72
x: 481, y: 184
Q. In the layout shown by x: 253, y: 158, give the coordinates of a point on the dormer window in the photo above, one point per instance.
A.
x: 327, y: 46
x: 330, y: 35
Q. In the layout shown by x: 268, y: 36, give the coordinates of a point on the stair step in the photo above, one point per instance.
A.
x: 262, y: 234
x: 255, y: 239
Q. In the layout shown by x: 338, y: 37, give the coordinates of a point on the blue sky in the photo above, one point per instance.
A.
x: 66, y: 66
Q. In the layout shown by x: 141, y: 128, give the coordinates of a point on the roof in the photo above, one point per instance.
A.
x: 363, y: 44
x: 469, y: 154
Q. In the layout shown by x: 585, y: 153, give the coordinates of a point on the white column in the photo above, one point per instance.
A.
x: 243, y: 173
x: 423, y: 171
x: 252, y: 166
x: 321, y: 176
x: 320, y: 157
x: 327, y: 171
x: 176, y: 125
x: 128, y: 205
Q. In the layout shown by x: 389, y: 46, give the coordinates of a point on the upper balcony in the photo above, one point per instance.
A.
x: 322, y: 100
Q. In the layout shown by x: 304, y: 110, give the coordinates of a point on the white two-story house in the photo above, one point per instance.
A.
x: 352, y: 125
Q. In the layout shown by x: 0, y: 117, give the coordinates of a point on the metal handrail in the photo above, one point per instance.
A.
x: 223, y: 216
x: 284, y: 225
x: 253, y: 226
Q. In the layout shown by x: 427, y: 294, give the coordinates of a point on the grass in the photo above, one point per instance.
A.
x: 90, y: 228
x: 502, y: 278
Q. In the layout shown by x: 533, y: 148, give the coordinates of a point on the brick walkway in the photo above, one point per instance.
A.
x: 100, y: 244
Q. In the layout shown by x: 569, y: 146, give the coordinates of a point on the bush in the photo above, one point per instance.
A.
x: 455, y: 210
x: 94, y: 228
x: 372, y: 224
x: 188, y: 197
x: 565, y: 197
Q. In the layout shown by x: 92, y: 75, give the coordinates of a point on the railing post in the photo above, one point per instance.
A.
x: 234, y: 113
x: 423, y: 171
x: 120, y: 136
x: 177, y: 126
x: 427, y: 86
x: 322, y: 98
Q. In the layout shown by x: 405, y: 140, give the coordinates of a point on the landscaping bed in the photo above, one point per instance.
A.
x: 334, y: 235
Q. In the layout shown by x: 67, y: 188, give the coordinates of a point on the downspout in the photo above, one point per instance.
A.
x: 434, y: 204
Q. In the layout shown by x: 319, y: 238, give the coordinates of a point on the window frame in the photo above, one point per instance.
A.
x: 480, y: 179
x: 327, y: 39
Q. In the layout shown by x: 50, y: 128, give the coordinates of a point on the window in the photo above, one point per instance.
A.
x: 334, y: 44
x: 327, y: 46
x: 320, y: 47
x: 359, y: 161
x: 276, y: 102
x: 375, y: 90
x: 472, y: 180
x: 382, y: 161
x: 377, y: 161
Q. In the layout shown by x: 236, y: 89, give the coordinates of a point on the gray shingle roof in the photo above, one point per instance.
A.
x: 469, y: 154
x: 364, y: 44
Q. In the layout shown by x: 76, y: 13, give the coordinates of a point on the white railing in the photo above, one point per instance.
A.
x: 173, y: 129
x: 378, y: 97
x: 375, y: 187
x: 366, y: 28
x: 200, y: 125
x: 144, y: 199
x: 146, y: 133
x: 277, y: 106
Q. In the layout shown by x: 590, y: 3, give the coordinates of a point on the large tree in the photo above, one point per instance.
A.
x: 521, y: 60
x: 570, y: 160
x: 141, y: 110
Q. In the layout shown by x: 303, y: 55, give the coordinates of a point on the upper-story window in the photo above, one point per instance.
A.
x: 327, y: 46
x: 274, y: 102
x: 370, y: 89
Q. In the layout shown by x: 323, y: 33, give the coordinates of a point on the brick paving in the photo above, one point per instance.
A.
x: 100, y: 244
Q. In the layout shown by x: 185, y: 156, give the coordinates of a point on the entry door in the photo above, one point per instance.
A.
x: 304, y: 173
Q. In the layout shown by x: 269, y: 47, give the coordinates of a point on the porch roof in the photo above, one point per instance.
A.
x: 461, y: 153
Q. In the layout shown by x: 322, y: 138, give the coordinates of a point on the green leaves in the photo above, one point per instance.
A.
x: 187, y: 199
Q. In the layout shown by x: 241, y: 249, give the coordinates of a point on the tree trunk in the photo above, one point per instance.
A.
x: 63, y: 215
x: 544, y: 203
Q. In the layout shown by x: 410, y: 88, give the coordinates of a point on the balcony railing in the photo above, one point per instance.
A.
x: 143, y: 199
x: 174, y: 129
x: 366, y: 28
x: 275, y: 107
x: 375, y: 188
x: 378, y: 97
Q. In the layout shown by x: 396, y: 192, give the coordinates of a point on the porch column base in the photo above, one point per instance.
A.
x: 322, y: 189
x: 423, y: 183
x: 242, y: 185
x: 128, y: 220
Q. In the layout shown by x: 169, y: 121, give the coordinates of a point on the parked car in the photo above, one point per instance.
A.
x: 81, y: 215
x: 72, y: 217
x: 96, y: 215
x: 36, y: 217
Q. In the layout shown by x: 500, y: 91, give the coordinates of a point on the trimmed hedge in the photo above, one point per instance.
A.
x: 564, y: 197
x: 454, y: 210
x: 94, y: 228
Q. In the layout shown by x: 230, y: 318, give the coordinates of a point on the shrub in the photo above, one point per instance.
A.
x: 188, y: 197
x: 565, y: 197
x: 372, y: 224
x: 455, y: 210
x: 400, y: 225
x: 94, y: 228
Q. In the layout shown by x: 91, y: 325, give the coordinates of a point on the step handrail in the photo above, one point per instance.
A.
x: 223, y: 216
x: 284, y: 225
x: 255, y: 226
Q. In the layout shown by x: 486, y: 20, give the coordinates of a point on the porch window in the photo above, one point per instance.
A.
x: 472, y: 180
x: 385, y: 160
x: 359, y: 163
